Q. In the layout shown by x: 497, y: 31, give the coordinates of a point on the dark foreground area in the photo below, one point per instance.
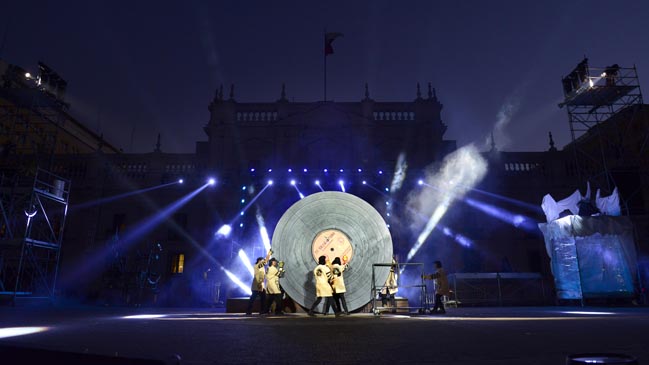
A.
x: 463, y: 336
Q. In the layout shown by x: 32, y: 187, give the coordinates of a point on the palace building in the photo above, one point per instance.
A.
x: 131, y: 233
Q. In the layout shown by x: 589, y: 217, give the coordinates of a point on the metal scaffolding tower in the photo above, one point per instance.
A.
x: 592, y: 97
x: 33, y: 225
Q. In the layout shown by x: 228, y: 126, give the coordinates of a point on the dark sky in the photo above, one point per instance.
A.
x: 154, y: 66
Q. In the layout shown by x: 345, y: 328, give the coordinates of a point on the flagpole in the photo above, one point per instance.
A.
x: 324, y: 52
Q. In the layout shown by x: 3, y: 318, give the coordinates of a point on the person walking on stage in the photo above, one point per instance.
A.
x: 272, y: 287
x: 339, y: 285
x: 323, y: 289
x: 441, y: 287
x: 258, y: 288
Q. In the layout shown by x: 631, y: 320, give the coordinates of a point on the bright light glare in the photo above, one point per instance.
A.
x: 20, y: 331
x: 181, y: 181
x: 224, y: 230
x: 342, y: 185
x: 317, y: 182
x: 262, y: 230
x: 246, y: 261
x: 293, y: 182
x: 28, y: 75
x: 364, y: 182
x: 211, y: 181
x: 236, y: 280
x: 145, y: 316
x: 461, y: 171
x: 270, y: 182
x: 264, y: 237
x: 399, y: 173
x: 420, y: 182
x: 591, y: 313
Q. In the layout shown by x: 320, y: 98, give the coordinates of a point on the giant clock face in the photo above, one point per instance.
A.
x: 332, y: 243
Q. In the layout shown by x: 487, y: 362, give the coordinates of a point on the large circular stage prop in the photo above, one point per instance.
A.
x: 333, y: 224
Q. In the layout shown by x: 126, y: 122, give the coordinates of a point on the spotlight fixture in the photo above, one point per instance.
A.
x: 340, y: 182
x: 243, y: 187
x: 380, y: 172
x: 317, y: 182
x: 420, y: 182
x: 211, y: 181
x: 325, y: 170
x: 290, y: 170
x: 360, y: 170
x: 28, y: 75
x: 305, y: 170
x: 270, y: 170
x: 293, y: 182
x: 341, y: 170
x: 243, y: 201
x: 270, y: 182
x: 387, y: 189
x: 252, y: 169
x: 364, y: 182
x: 240, y: 225
x: 181, y: 181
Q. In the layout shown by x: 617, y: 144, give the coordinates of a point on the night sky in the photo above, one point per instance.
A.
x: 153, y: 67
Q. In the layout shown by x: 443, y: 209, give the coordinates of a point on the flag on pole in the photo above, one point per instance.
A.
x: 329, y: 38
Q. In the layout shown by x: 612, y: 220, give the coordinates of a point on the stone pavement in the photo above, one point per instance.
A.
x: 540, y: 335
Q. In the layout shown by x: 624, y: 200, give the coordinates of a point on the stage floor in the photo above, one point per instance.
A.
x: 542, y: 335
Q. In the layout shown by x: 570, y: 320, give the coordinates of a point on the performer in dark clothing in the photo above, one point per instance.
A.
x: 441, y: 287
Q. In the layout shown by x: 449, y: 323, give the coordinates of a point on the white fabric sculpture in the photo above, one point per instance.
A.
x: 609, y: 205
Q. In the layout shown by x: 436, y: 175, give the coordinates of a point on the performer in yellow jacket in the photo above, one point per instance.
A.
x: 323, y: 289
x: 272, y: 287
x: 258, y: 288
x: 390, y: 288
x: 441, y: 287
x: 338, y: 284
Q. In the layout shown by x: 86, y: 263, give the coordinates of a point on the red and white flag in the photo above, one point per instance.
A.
x: 328, y: 40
